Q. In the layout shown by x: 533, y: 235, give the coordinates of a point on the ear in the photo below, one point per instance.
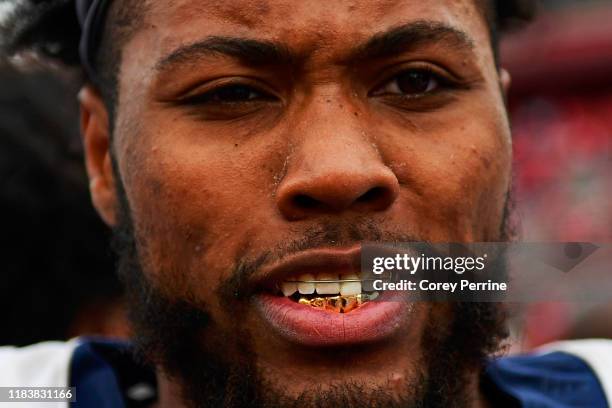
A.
x: 96, y: 143
x: 505, y: 79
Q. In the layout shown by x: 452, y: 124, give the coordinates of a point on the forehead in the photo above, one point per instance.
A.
x: 314, y: 25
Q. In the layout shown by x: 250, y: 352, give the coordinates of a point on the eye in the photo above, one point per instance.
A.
x: 229, y: 100
x: 414, y: 82
x: 230, y: 94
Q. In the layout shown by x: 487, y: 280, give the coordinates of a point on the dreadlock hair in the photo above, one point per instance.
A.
x: 50, y: 29
x: 51, y: 236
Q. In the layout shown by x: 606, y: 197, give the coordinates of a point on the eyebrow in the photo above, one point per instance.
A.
x: 262, y: 52
x: 249, y: 51
x: 411, y: 36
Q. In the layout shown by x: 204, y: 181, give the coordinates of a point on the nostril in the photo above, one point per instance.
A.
x: 306, y: 202
x: 376, y: 198
x: 373, y: 194
x: 362, y: 193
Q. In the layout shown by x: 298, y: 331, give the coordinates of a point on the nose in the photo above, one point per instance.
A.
x: 335, y: 193
x: 335, y: 175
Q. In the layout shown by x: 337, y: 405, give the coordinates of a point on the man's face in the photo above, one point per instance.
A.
x: 260, y: 140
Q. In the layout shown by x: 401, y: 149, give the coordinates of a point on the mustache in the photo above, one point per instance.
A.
x: 239, y: 286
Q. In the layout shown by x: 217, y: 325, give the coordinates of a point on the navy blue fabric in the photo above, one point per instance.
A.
x: 94, y: 378
x: 91, y: 15
x: 554, y: 380
x: 103, y: 370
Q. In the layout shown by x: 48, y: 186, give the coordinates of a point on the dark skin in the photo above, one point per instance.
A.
x: 412, y: 136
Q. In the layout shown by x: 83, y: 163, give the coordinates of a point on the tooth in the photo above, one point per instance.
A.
x: 289, y: 288
x: 327, y: 288
x: 306, y: 288
x: 350, y: 288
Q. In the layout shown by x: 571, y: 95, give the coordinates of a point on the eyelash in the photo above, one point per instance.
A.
x: 442, y: 83
x: 208, y: 97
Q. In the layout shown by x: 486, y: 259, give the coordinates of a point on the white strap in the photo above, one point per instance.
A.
x: 597, y: 353
x: 40, y: 365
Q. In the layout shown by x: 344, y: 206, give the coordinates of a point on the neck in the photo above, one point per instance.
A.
x: 169, y: 392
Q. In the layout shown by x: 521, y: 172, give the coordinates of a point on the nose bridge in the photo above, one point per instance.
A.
x: 331, y: 136
x: 334, y: 166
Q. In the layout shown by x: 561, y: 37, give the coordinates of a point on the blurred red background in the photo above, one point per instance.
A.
x: 561, y: 107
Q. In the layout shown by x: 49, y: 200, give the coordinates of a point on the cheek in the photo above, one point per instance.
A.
x: 170, y: 222
x: 455, y: 173
x: 195, y: 202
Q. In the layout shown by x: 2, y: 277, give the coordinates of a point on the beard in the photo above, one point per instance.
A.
x: 173, y: 334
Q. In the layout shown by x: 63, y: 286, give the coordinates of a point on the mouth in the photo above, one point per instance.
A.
x: 328, y: 291
x: 318, y: 298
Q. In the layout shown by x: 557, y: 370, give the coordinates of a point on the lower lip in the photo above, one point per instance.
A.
x: 307, y: 326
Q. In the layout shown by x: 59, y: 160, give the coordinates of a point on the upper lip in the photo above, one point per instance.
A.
x: 317, y: 259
